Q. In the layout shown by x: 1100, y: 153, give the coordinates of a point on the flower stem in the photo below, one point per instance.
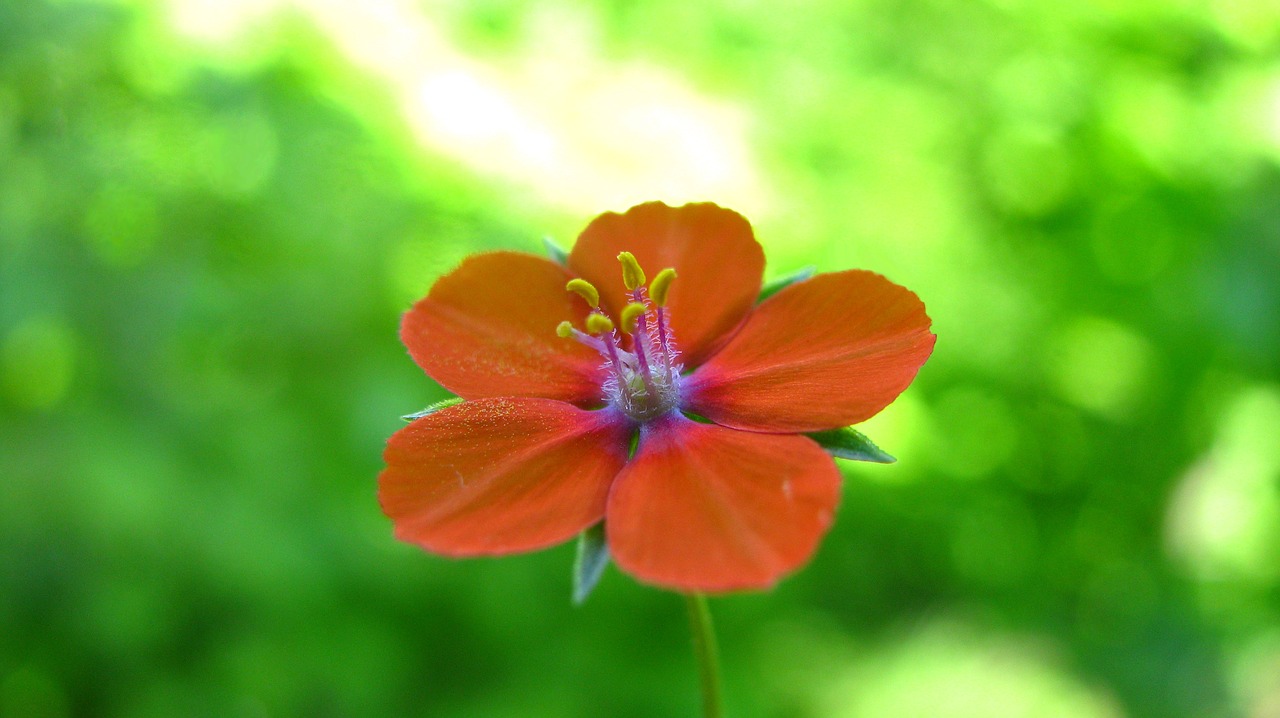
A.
x: 704, y: 650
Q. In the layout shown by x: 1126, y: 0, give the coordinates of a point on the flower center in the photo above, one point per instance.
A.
x: 643, y: 381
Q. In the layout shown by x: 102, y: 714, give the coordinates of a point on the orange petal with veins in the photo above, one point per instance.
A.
x: 488, y: 328
x: 500, y: 476
x: 719, y: 267
x: 823, y: 353
x: 709, y: 509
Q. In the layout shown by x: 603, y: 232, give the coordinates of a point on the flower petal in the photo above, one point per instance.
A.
x: 488, y: 328
x: 827, y: 352
x: 704, y: 508
x: 716, y: 257
x: 497, y: 476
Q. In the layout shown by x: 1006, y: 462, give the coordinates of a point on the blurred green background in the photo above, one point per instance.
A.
x: 213, y: 213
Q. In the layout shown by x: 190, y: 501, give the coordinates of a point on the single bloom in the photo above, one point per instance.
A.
x: 672, y: 407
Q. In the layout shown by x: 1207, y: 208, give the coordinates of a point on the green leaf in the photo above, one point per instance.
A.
x: 555, y: 252
x: 588, y: 566
x: 849, y: 443
x: 433, y: 408
x: 781, y: 283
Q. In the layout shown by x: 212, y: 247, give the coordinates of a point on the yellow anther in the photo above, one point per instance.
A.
x: 564, y: 330
x: 632, y: 274
x: 660, y: 285
x: 630, y: 314
x: 599, y: 324
x: 584, y: 289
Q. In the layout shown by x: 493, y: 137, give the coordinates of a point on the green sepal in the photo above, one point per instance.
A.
x: 781, y: 283
x: 555, y: 252
x: 445, y: 404
x: 849, y: 443
x: 589, y: 564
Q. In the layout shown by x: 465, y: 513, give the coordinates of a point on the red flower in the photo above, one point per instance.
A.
x: 695, y: 457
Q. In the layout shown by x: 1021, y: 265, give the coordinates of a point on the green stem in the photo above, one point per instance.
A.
x: 704, y: 650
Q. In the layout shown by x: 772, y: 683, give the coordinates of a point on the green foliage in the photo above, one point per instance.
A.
x: 210, y: 222
x: 442, y: 404
x: 555, y: 252
x: 590, y: 562
x: 849, y: 443
x: 773, y: 287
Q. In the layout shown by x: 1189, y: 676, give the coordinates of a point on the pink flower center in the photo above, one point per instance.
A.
x: 644, y: 380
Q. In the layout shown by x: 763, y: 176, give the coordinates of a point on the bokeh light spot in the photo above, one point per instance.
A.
x: 1256, y: 674
x: 1150, y: 114
x: 1028, y: 170
x: 592, y: 134
x: 238, y: 152
x: 1250, y: 24
x: 1041, y: 88
x: 947, y: 670
x: 1100, y: 365
x: 1223, y: 521
x: 37, y: 362
x: 1269, y: 112
x: 218, y: 21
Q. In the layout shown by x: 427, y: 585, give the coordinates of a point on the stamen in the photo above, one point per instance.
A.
x: 643, y: 379
x: 633, y: 323
x: 658, y: 290
x: 566, y: 330
x: 630, y: 315
x: 586, y: 290
x: 668, y: 357
x: 599, y: 324
x: 609, y: 340
x: 660, y: 285
x: 632, y: 274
